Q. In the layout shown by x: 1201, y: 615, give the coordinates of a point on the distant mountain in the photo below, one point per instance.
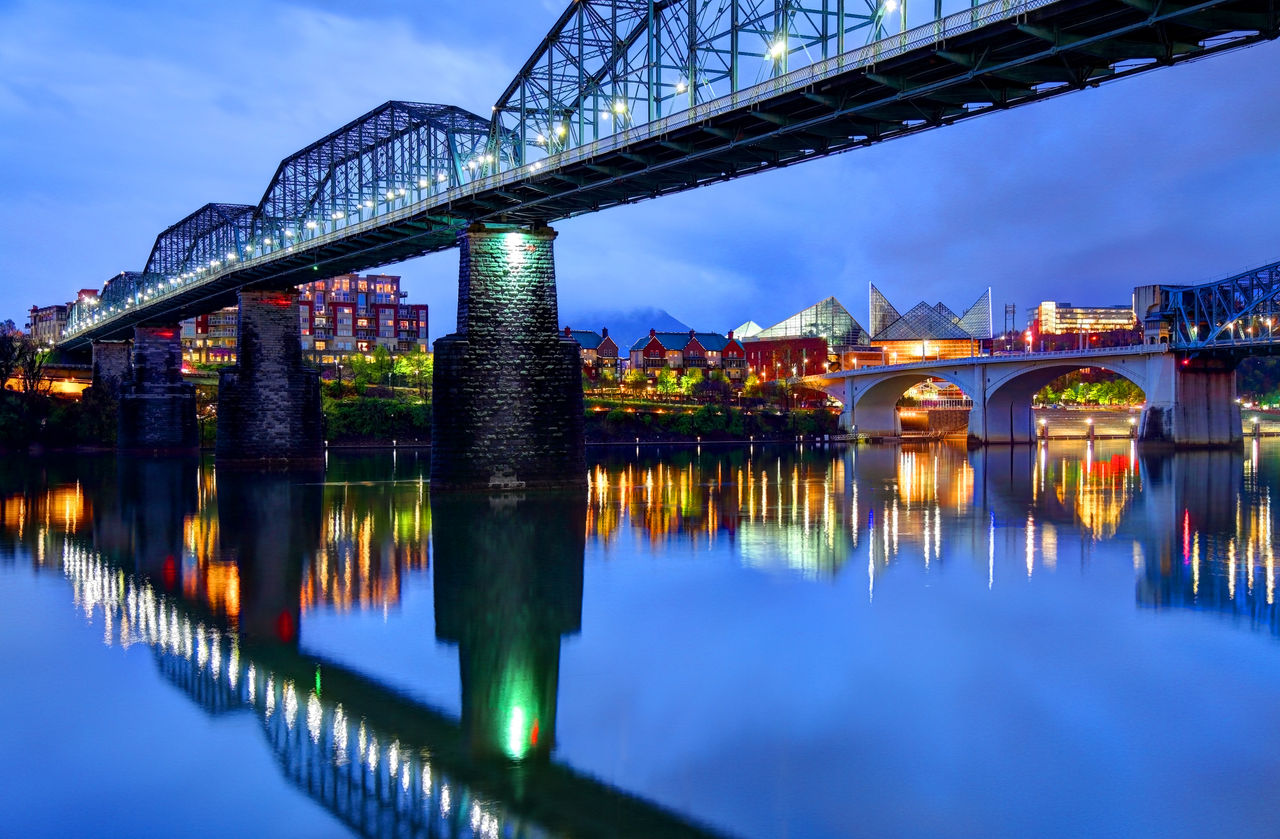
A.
x: 625, y: 328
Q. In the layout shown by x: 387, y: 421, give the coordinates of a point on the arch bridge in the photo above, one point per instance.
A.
x: 1190, y: 399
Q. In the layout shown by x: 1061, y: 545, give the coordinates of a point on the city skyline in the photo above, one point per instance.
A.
x: 1162, y: 178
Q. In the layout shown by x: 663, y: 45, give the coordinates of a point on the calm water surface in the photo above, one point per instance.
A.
x: 1063, y: 641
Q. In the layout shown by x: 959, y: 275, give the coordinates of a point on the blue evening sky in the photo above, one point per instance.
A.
x: 117, y: 119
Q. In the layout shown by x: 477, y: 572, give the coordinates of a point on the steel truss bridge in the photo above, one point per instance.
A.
x: 1239, y: 314
x: 631, y: 99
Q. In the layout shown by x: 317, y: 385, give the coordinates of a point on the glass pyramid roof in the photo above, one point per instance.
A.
x: 929, y: 323
x: 825, y: 319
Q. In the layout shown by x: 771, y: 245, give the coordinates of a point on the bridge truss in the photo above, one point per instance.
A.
x: 1239, y: 312
x: 625, y: 100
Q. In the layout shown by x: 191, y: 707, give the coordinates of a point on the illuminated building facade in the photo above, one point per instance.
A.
x: 337, y: 317
x: 45, y: 323
x: 1063, y: 318
x: 928, y: 332
x: 350, y: 313
x: 682, y: 351
x: 1061, y: 326
x: 211, y: 339
x: 597, y: 350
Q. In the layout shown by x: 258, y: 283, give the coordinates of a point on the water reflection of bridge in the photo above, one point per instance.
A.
x: 508, y: 582
x: 169, y: 565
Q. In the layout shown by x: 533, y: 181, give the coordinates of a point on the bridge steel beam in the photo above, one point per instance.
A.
x: 269, y: 401
x: 507, y: 383
x: 157, y: 410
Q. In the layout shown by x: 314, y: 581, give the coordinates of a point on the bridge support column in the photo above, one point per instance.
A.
x: 110, y: 367
x: 508, y: 385
x: 1191, y: 402
x: 269, y: 401
x: 157, y: 408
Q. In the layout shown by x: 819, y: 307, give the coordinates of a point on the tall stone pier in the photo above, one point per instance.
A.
x: 269, y: 401
x: 110, y: 367
x: 1191, y: 402
x: 508, y: 386
x: 157, y: 408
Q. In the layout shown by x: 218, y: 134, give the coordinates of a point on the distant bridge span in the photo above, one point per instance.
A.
x: 1190, y: 401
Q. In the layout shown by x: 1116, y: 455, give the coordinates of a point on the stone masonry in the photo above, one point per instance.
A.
x: 110, y: 366
x: 269, y: 401
x: 157, y: 408
x: 508, y: 391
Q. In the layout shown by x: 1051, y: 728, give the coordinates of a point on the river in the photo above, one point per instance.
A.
x: 1073, y: 639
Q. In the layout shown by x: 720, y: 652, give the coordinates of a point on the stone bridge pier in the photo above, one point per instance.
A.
x: 1190, y: 401
x: 157, y: 409
x: 269, y: 401
x: 507, y: 384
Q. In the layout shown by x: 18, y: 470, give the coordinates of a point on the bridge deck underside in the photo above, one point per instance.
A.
x: 1044, y: 52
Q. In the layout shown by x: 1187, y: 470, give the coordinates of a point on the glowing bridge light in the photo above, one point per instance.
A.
x: 338, y: 214
x: 442, y: 177
x: 780, y: 47
x: 311, y: 225
x: 890, y: 6
x: 681, y: 87
x: 619, y: 107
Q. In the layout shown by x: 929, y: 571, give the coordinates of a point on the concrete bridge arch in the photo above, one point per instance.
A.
x: 1190, y: 399
x: 1004, y: 414
x: 870, y: 400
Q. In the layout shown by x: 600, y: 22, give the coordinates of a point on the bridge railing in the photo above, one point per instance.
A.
x: 1104, y: 352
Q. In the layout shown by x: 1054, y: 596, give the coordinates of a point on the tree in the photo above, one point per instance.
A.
x: 635, y: 380
x: 31, y: 362
x: 690, y: 381
x: 381, y: 366
x: 751, y: 387
x: 417, y: 370
x: 607, y: 378
x: 667, y: 384
x: 10, y: 347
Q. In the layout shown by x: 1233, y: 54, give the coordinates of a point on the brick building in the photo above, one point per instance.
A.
x: 682, y: 351
x: 598, y: 351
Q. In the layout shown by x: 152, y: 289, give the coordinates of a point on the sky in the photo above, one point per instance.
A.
x: 116, y: 120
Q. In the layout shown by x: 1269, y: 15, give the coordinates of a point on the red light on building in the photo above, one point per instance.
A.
x: 169, y: 572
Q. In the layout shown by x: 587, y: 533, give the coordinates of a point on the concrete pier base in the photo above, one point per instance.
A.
x: 157, y: 408
x: 269, y: 401
x: 1193, y: 404
x: 508, y: 391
